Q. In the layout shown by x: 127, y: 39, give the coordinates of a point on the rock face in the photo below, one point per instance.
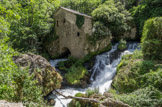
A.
x: 99, y: 45
x: 4, y: 103
x: 46, y: 75
x: 112, y: 103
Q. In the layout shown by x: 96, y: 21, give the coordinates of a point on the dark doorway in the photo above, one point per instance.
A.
x: 65, y: 52
x: 57, y: 23
x: 78, y: 34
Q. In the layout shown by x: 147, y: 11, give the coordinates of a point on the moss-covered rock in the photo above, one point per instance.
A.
x: 46, y: 75
x: 152, y: 39
x: 77, y: 76
x: 133, y: 72
x: 122, y: 44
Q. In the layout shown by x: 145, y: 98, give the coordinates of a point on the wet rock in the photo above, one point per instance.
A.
x: 108, y: 95
x: 102, y: 66
x: 113, y: 103
x: 46, y: 75
x: 4, y: 103
x: 52, y: 102
x: 84, y: 84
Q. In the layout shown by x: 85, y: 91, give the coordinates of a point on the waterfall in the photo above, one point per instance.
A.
x: 103, y: 72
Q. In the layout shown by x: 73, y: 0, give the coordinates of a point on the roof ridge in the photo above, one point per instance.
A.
x: 75, y: 12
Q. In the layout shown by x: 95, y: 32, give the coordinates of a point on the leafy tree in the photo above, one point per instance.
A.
x: 30, y: 21
x: 151, y: 7
x: 152, y: 39
x: 114, y: 16
x: 84, y: 6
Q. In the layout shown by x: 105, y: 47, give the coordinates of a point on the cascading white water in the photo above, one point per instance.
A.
x: 103, y: 73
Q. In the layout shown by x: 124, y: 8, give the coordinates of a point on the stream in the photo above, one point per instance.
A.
x: 103, y: 72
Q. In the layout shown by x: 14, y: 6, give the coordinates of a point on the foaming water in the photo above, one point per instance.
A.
x: 103, y: 72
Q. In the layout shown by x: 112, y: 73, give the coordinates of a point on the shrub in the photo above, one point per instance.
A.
x: 16, y: 84
x: 145, y: 97
x: 90, y: 92
x: 122, y: 45
x: 153, y: 78
x: 75, y: 74
x: 152, y: 39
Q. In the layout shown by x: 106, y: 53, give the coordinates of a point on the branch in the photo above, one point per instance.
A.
x: 77, y: 98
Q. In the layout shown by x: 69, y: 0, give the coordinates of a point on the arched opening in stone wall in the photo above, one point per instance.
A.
x: 65, y: 52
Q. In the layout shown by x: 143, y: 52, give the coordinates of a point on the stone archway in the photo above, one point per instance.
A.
x: 65, y: 52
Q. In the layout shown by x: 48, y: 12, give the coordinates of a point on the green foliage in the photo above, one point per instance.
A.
x: 138, y: 81
x: 128, y: 3
x: 100, y: 32
x: 151, y: 7
x: 145, y: 97
x: 16, y: 84
x: 153, y: 78
x: 131, y: 70
x: 79, y: 21
x: 122, y: 44
x: 114, y: 16
x: 90, y: 92
x: 4, y: 27
x: 79, y: 95
x: 30, y: 22
x: 75, y: 74
x: 152, y: 39
x: 75, y: 71
x: 83, y: 6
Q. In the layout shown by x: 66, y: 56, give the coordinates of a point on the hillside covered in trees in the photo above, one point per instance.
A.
x: 27, y: 28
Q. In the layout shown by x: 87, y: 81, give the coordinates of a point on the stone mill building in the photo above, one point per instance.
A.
x: 72, y: 29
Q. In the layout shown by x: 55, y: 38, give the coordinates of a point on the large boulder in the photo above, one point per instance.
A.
x: 46, y: 75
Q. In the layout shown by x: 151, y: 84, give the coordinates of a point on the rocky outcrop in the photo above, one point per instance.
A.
x: 4, y: 103
x: 46, y: 75
x: 99, y: 45
x: 52, y: 48
x: 109, y: 102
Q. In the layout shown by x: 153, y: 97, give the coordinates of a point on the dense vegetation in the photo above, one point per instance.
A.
x: 113, y: 16
x: 76, y: 73
x: 139, y: 77
x: 16, y: 84
x: 152, y: 39
x: 151, y: 7
x: 138, y: 81
x: 27, y: 22
x: 25, y: 25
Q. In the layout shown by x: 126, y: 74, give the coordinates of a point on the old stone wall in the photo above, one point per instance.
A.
x: 70, y: 36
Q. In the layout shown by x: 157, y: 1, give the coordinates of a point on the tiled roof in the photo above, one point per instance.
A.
x: 75, y: 12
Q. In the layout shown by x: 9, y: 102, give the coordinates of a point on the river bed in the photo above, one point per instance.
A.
x: 103, y: 72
